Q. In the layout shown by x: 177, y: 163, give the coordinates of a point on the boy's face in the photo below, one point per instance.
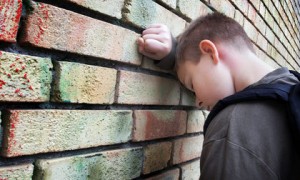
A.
x: 211, y: 81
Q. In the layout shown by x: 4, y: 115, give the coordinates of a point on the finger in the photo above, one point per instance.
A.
x: 151, y: 31
x: 154, y: 37
x: 155, y: 25
x: 154, y: 46
x: 141, y: 44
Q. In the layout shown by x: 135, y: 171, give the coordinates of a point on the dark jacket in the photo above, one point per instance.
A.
x: 251, y: 140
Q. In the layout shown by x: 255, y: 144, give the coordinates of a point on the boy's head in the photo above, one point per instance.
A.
x: 215, y: 27
x: 202, y: 55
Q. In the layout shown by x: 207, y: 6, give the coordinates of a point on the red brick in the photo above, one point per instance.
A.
x: 156, y: 156
x: 186, y: 149
x: 155, y: 124
x: 10, y: 14
x: 39, y: 131
x: 138, y: 88
x: 24, y: 78
x: 55, y: 28
x: 168, y: 175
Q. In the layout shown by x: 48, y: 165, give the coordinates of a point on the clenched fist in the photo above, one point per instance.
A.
x: 156, y: 41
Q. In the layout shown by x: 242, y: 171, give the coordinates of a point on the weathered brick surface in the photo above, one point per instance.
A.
x: 187, y: 148
x: 195, y: 121
x: 250, y: 30
x: 170, y: 3
x: 22, y: 172
x: 144, y: 13
x: 115, y: 164
x: 192, y: 8
x: 24, y: 78
x: 138, y: 88
x: 154, y: 124
x: 168, y: 175
x: 37, y: 131
x: 224, y: 7
x: 239, y: 17
x: 187, y: 98
x: 79, y: 83
x: 191, y: 171
x: 156, y: 156
x: 242, y: 5
x: 112, y: 7
x: 55, y: 28
x: 10, y: 14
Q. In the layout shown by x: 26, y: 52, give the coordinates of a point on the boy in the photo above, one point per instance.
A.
x: 215, y: 59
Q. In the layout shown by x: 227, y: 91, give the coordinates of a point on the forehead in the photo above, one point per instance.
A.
x: 183, y: 71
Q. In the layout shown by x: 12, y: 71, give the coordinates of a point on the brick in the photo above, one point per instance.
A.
x: 156, y: 156
x: 262, y: 42
x: 79, y: 83
x: 252, y: 13
x: 239, y: 17
x: 191, y: 170
x: 190, y: 8
x: 24, y: 172
x: 269, y: 19
x: 195, y: 121
x: 38, y: 131
x: 186, y: 149
x: 262, y: 9
x: 55, y: 28
x: 115, y: 164
x: 154, y: 124
x: 111, y: 8
x: 270, y: 35
x: 10, y: 14
x: 256, y: 4
x: 143, y: 13
x: 24, y: 78
x: 260, y: 25
x: 250, y: 30
x: 148, y: 88
x: 224, y: 7
x: 170, y: 3
x: 168, y: 175
x: 242, y: 5
x: 188, y: 98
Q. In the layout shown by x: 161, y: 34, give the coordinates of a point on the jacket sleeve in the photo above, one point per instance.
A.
x: 224, y: 160
x: 168, y: 62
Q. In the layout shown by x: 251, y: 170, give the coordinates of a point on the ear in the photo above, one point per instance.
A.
x: 208, y: 47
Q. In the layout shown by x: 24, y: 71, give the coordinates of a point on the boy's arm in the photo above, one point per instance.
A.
x: 157, y: 43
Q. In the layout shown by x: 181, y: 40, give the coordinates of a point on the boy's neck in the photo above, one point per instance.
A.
x: 248, y: 69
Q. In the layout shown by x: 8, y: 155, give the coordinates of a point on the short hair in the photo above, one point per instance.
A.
x: 215, y: 27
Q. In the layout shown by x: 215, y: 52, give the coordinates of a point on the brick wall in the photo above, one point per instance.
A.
x: 77, y: 101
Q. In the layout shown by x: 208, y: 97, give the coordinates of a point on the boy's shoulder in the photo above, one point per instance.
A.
x: 277, y: 85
